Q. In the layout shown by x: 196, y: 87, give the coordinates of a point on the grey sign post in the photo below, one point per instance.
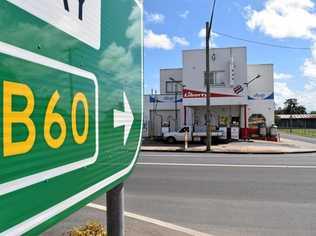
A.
x: 115, y: 211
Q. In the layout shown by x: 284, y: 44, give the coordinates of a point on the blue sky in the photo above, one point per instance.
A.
x: 174, y: 25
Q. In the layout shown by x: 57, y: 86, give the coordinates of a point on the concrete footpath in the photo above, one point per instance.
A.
x: 286, y: 145
x: 135, y: 225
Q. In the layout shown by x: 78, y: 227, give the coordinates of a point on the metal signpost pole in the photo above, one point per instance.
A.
x: 176, y: 105
x: 186, y: 130
x: 155, y: 113
x: 153, y: 116
x: 115, y: 211
x: 246, y: 123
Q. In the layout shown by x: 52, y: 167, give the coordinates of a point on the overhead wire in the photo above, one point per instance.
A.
x: 261, y: 43
x: 249, y: 40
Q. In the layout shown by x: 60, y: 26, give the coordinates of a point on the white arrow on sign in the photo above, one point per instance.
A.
x: 125, y: 118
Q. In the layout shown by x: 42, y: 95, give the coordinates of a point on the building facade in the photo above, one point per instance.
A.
x: 241, y: 95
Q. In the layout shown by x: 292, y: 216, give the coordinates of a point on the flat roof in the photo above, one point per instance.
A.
x: 298, y: 116
x: 262, y: 64
x: 203, y: 49
x: 179, y: 68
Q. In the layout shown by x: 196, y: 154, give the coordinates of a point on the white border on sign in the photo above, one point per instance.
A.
x: 64, y: 21
x: 23, y: 182
x: 66, y: 204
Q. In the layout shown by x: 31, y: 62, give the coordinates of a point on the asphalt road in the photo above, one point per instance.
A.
x: 227, y: 194
x: 223, y: 195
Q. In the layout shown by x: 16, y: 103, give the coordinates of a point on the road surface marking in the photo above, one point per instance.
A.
x: 154, y: 221
x: 194, y: 155
x: 186, y: 155
x: 226, y: 165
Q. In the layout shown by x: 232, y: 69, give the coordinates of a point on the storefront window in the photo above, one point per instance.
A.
x: 256, y: 120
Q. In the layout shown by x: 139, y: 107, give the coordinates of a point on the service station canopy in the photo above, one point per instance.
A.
x: 71, y: 97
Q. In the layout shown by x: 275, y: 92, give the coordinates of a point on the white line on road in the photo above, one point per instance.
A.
x: 226, y: 165
x: 170, y: 155
x: 154, y: 221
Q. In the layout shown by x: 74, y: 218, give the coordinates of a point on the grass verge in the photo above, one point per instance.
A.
x: 311, y: 133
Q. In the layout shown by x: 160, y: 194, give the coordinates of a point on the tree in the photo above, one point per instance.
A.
x: 279, y: 111
x: 313, y: 112
x: 291, y: 106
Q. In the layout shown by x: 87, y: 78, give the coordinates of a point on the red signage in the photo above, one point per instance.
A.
x: 188, y: 93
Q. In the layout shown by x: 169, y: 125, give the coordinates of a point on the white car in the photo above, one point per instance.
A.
x: 179, y: 136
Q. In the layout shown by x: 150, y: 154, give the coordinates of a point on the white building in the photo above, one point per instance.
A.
x: 234, y: 101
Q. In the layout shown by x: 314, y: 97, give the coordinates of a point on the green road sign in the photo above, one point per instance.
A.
x: 71, y: 96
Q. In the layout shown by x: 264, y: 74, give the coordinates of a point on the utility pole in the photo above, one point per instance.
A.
x: 115, y: 211
x: 208, y: 31
x: 207, y: 80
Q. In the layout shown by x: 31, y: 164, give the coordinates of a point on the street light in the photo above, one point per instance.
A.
x: 238, y: 89
x: 175, y: 100
x: 208, y: 30
x: 252, y: 80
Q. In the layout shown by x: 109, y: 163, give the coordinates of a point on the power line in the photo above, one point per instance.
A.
x: 260, y: 42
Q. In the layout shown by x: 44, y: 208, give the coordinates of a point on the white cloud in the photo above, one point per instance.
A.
x: 282, y: 76
x: 282, y: 92
x: 163, y: 41
x: 304, y: 97
x: 309, y: 67
x: 288, y: 19
x: 154, y: 18
x: 160, y: 41
x: 284, y: 19
x: 185, y: 14
x: 311, y: 85
x: 181, y: 41
x: 202, y: 35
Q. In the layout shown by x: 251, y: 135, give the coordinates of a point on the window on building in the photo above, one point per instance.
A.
x: 172, y: 86
x: 256, y: 120
x: 217, y: 78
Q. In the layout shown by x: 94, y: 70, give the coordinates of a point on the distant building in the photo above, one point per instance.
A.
x: 233, y: 103
x: 300, y: 121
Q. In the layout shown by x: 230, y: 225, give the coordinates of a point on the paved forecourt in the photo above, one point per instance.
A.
x: 72, y: 82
